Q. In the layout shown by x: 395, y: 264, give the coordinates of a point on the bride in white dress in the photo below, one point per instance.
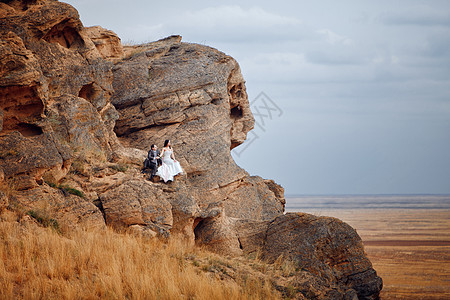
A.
x: 170, y: 166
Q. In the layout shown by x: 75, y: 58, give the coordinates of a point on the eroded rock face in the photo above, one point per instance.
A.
x: 76, y: 121
x: 52, y: 203
x: 20, y: 92
x: 106, y: 41
x: 195, y: 96
x: 78, y: 112
x: 33, y: 158
x: 329, y: 250
x: 327, y: 247
x: 55, y: 90
x: 136, y: 202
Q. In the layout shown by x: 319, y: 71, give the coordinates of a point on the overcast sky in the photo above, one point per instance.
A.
x: 363, y: 87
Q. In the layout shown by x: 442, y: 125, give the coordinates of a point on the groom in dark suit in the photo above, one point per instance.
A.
x: 153, y: 160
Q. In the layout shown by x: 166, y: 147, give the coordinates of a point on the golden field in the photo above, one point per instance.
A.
x: 409, y: 249
x: 40, y: 263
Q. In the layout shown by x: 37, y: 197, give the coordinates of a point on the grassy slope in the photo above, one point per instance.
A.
x: 41, y: 263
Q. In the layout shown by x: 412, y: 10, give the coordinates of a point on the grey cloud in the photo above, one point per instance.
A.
x: 419, y: 16
x: 234, y: 24
x: 331, y: 57
x: 438, y: 45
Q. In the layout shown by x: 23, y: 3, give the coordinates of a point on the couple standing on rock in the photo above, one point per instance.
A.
x: 169, y: 166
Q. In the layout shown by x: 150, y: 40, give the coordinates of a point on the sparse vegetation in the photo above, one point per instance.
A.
x: 130, y: 43
x: 67, y: 189
x: 78, y: 167
x: 120, y: 167
x: 44, y: 219
x: 286, y: 266
x: 54, y: 120
x: 85, y: 160
x: 72, y: 191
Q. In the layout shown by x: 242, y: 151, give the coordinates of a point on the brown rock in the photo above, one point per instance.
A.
x: 47, y: 59
x: 24, y: 182
x: 218, y: 235
x: 277, y: 189
x: 326, y: 254
x: 106, y: 42
x: 19, y: 66
x: 78, y: 123
x: 251, y: 234
x: 67, y: 209
x: 136, y: 202
x: 20, y: 93
x: 131, y: 155
x: 326, y: 247
x: 3, y: 200
x: 185, y: 209
x: 22, y: 110
x: 48, y: 54
x: 251, y: 198
x: 33, y: 157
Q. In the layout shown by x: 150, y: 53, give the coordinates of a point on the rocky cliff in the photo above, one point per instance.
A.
x: 78, y: 111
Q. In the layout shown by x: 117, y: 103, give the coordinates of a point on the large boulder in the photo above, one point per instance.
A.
x: 326, y: 247
x: 76, y: 122
x: 136, y: 202
x: 329, y: 250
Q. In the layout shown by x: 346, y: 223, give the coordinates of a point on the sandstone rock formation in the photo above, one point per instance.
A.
x: 107, y: 42
x: 327, y: 247
x: 78, y: 112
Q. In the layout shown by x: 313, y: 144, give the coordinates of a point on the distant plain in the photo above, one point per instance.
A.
x: 407, y: 238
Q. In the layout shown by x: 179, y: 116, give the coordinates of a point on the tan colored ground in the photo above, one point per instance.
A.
x: 410, y: 249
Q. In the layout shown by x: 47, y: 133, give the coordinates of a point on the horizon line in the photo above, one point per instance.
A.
x: 395, y: 194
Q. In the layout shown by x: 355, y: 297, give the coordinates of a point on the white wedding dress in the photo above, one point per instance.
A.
x: 169, y: 167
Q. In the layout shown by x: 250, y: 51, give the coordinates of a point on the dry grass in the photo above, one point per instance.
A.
x: 42, y: 264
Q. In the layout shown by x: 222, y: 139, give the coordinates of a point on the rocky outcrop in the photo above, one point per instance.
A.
x: 143, y: 205
x: 52, y: 203
x: 55, y: 90
x: 195, y: 96
x: 33, y: 159
x: 19, y: 82
x: 106, y: 41
x: 78, y: 112
x: 327, y: 248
